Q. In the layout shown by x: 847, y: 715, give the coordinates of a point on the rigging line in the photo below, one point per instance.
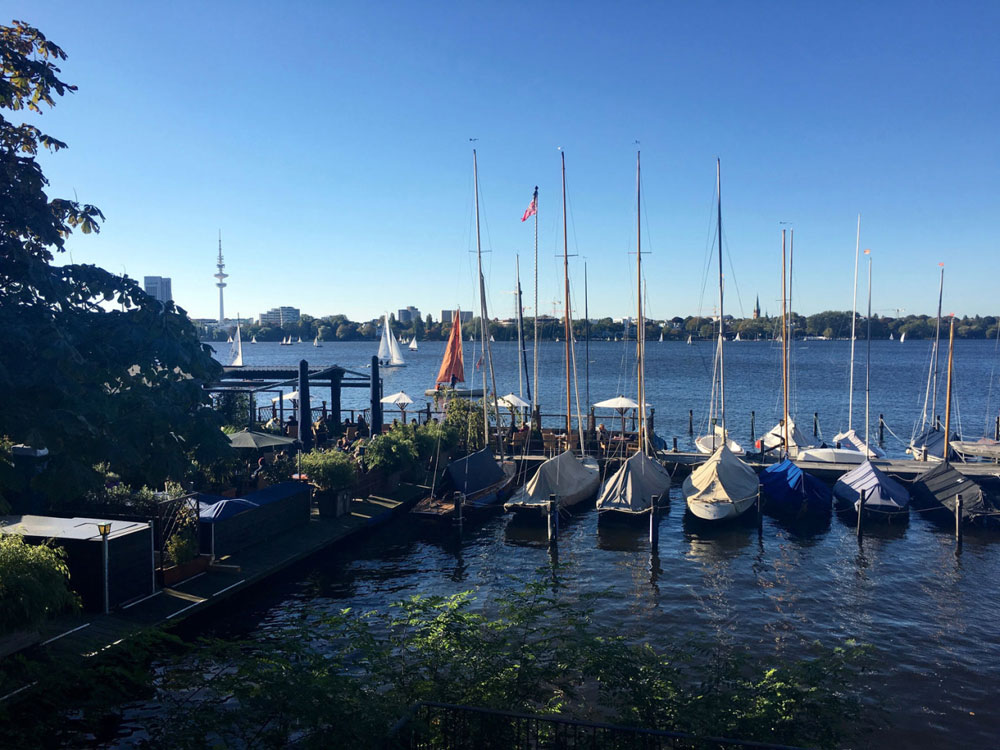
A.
x: 732, y: 268
x: 989, y: 391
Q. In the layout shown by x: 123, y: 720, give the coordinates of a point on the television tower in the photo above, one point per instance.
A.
x: 221, y: 276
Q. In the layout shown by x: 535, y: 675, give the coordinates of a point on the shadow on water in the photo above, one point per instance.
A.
x: 805, y: 531
x: 719, y: 540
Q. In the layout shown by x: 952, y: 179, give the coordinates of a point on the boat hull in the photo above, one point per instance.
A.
x: 457, y: 392
x: 719, y: 510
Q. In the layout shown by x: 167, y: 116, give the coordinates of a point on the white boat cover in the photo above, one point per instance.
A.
x: 723, y: 478
x: 631, y: 488
x: 851, y: 440
x: 776, y: 437
x: 567, y: 477
x: 710, y: 443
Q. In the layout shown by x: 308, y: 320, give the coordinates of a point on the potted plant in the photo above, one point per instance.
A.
x: 332, y: 474
x: 182, y: 549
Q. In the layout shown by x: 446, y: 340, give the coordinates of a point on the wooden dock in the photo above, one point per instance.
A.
x: 88, y: 634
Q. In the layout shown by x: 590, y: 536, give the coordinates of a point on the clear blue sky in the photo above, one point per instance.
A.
x: 330, y: 144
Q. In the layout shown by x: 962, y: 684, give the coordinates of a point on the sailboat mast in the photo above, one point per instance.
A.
x: 523, y: 355
x: 784, y: 349
x: 868, y: 359
x: 484, y: 331
x: 947, y: 404
x: 722, y: 317
x: 534, y: 360
x: 566, y: 312
x: 937, y: 347
x: 639, y: 338
x: 854, y: 320
x: 586, y: 326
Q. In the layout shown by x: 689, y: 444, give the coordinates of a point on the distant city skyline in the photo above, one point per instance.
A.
x: 351, y: 186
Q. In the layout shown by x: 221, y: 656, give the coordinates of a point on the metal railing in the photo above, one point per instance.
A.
x: 446, y: 726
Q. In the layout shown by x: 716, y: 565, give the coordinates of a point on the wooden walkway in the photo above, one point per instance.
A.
x: 88, y: 634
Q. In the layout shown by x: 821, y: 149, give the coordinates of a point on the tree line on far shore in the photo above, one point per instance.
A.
x: 831, y: 324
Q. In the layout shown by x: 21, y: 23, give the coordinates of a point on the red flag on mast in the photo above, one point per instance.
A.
x: 532, y: 208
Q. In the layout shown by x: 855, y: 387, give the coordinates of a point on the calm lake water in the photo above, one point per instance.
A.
x: 931, y: 613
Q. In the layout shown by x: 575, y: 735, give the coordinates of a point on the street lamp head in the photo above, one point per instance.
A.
x: 104, y: 528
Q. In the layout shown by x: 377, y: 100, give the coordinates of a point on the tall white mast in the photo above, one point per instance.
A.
x: 483, y: 316
x: 854, y: 320
x: 640, y: 330
x: 722, y: 317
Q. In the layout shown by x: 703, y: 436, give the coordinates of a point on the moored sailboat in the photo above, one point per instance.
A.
x: 723, y: 487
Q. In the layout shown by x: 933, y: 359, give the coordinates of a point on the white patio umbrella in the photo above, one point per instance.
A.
x: 399, y: 399
x: 293, y: 396
x: 513, y: 401
x: 621, y: 404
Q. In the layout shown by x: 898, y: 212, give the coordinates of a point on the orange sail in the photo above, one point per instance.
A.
x: 452, y: 371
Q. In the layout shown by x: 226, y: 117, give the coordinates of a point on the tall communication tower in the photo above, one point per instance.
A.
x: 221, y: 276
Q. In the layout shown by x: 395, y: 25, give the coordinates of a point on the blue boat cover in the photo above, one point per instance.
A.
x: 881, y: 492
x: 933, y: 440
x: 475, y: 472
x: 793, y: 491
x: 225, y: 508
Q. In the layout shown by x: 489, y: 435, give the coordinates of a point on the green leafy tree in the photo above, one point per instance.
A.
x: 33, y: 583
x: 91, y: 367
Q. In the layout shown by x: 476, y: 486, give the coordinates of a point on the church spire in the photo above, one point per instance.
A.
x: 756, y: 308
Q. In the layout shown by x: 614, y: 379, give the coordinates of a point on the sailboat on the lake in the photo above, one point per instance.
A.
x: 850, y: 447
x: 389, y: 354
x: 452, y: 370
x: 237, y: 349
x: 631, y: 489
x: 413, y: 344
x: 723, y: 487
x: 569, y: 478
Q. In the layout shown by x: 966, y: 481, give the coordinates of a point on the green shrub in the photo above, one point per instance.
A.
x: 33, y: 583
x: 391, y: 452
x: 330, y: 471
x: 182, y: 546
x: 432, y: 437
x: 465, y: 418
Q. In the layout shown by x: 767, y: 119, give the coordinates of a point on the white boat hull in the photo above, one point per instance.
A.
x: 708, y: 444
x: 831, y: 455
x: 720, y: 510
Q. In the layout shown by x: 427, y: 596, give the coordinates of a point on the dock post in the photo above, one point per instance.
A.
x: 553, y: 519
x: 815, y: 423
x: 923, y: 453
x: 305, y: 410
x: 861, y: 511
x: 654, y: 522
x: 652, y: 420
x: 753, y: 424
x: 675, y: 443
x: 996, y: 430
x: 376, y: 400
x: 690, y: 421
x: 458, y: 509
x: 958, y: 519
x: 760, y: 512
x: 937, y: 422
x: 591, y: 422
x: 881, y: 429
x: 337, y: 428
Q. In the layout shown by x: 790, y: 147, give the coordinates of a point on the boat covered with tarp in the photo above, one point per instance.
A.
x: 940, y: 486
x: 631, y: 489
x: 849, y: 448
x: 480, y: 479
x: 882, y: 493
x: 722, y: 487
x: 791, y: 491
x: 931, y: 440
x: 775, y: 439
x: 571, y: 479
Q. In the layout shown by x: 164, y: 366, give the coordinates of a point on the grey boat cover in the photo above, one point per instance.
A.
x: 933, y: 441
x: 723, y: 478
x: 776, y: 436
x: 942, y: 483
x: 564, y: 476
x: 631, y: 488
x: 881, y: 492
x: 475, y: 472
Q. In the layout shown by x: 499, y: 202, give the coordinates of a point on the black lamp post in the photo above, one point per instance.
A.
x: 104, y: 528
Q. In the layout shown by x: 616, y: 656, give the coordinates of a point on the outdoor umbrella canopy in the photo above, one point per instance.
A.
x: 513, y: 401
x: 399, y: 399
x: 257, y: 440
x: 293, y: 396
x: 621, y: 404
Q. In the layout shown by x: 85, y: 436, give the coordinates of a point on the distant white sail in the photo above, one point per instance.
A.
x: 237, y: 349
x: 389, y: 354
x: 413, y: 344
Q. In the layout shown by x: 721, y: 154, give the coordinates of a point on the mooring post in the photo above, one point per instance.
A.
x: 815, y: 423
x: 923, y: 453
x: 996, y: 430
x: 591, y: 422
x: 553, y: 519
x: 881, y: 429
x: 958, y: 519
x: 337, y: 428
x: 675, y: 443
x: 305, y: 410
x: 861, y: 510
x: 937, y: 422
x: 760, y: 512
x: 753, y: 424
x: 457, y: 497
x: 652, y: 420
x: 654, y: 522
x: 376, y: 399
x: 690, y: 421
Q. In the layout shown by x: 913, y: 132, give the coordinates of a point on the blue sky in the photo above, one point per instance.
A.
x: 330, y: 144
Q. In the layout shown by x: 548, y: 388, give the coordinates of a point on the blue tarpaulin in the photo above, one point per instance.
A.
x: 791, y: 490
x: 475, y: 472
x: 225, y: 508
